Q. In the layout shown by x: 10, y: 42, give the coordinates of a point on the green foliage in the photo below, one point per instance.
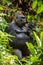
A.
x: 37, y: 40
x: 40, y: 9
x: 1, y: 7
x: 38, y: 6
x: 37, y: 57
x: 4, y: 38
x: 25, y: 0
x: 3, y: 24
x: 8, y: 2
x: 31, y: 48
x: 7, y: 11
x: 6, y: 58
x: 34, y: 4
x: 41, y: 38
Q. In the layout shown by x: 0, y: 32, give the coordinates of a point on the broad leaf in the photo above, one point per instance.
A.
x: 31, y: 48
x: 38, y: 41
x: 41, y: 38
x: 1, y: 7
x: 40, y: 9
x: 34, y: 4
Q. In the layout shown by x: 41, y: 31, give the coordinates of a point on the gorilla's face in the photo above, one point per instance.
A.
x: 20, y: 20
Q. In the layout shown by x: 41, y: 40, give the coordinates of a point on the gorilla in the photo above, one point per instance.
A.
x: 18, y: 28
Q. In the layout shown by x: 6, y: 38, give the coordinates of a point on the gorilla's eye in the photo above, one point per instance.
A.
x: 23, y: 17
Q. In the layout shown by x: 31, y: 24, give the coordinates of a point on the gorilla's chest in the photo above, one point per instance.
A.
x: 19, y: 33
x: 20, y: 36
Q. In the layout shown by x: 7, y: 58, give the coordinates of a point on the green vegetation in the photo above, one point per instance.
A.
x: 34, y: 13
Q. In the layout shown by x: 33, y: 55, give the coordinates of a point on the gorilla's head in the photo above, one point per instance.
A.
x: 20, y: 19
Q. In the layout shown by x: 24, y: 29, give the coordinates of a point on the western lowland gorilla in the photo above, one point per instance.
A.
x: 18, y: 28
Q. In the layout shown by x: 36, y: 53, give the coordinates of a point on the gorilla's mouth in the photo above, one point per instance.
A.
x: 22, y: 24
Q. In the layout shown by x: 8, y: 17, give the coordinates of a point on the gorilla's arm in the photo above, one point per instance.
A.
x: 8, y: 28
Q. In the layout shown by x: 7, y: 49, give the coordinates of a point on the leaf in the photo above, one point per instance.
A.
x: 41, y: 38
x: 38, y: 41
x: 31, y: 48
x: 40, y: 9
x: 39, y: 3
x: 2, y: 14
x: 25, y: 0
x: 1, y: 7
x: 34, y: 4
x: 28, y: 16
x: 34, y: 58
